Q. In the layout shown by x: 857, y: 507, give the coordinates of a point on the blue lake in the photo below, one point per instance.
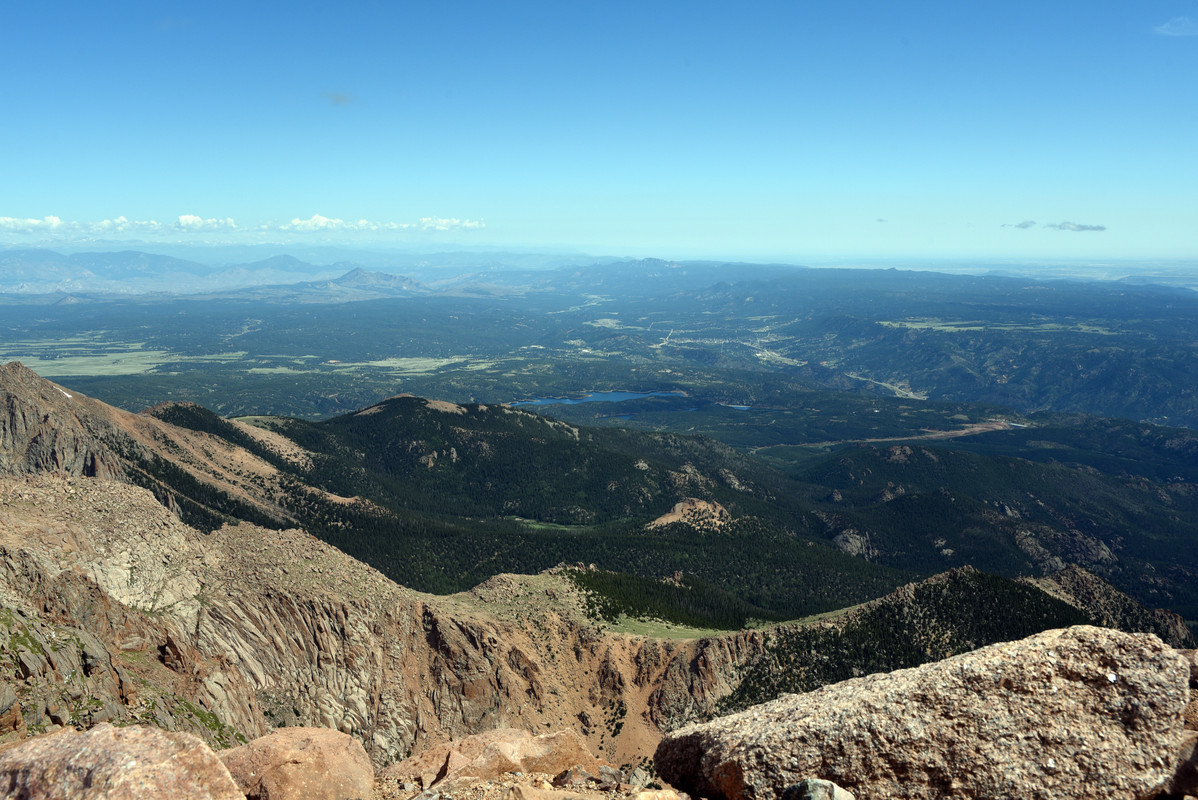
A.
x: 596, y: 397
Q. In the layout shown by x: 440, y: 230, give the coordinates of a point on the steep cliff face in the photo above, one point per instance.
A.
x: 692, y: 685
x: 246, y: 629
x: 41, y: 429
x: 46, y: 429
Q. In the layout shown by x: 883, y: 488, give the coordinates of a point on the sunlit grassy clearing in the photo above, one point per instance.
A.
x: 131, y: 361
x: 407, y: 366
x: 124, y: 363
x: 972, y: 325
x: 537, y: 525
x: 658, y: 629
x: 96, y: 357
x: 82, y: 338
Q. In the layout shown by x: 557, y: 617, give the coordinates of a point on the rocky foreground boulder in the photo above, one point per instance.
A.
x: 488, y: 755
x: 301, y: 764
x: 1076, y: 713
x: 108, y: 763
x: 142, y: 761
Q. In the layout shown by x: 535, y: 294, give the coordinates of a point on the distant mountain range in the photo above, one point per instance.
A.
x: 30, y: 271
x: 46, y: 272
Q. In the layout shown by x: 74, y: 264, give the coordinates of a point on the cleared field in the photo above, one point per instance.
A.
x: 977, y: 325
x: 130, y: 361
x: 658, y: 629
x: 410, y: 366
x: 111, y: 364
x: 537, y: 525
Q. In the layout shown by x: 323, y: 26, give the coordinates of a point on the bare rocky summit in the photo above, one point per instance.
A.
x: 696, y: 512
x: 1076, y: 713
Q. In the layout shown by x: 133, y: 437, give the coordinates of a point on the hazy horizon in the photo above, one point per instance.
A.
x: 223, y: 266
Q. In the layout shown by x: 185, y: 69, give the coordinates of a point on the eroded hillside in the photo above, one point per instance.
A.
x: 115, y: 608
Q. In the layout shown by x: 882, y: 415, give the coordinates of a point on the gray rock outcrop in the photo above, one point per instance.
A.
x: 41, y: 429
x: 816, y: 789
x: 1075, y: 713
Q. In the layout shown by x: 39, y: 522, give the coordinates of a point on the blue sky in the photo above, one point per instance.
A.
x: 797, y: 130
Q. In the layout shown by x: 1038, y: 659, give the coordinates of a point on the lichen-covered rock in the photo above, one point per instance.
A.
x: 302, y: 764
x: 1075, y: 713
x: 108, y: 763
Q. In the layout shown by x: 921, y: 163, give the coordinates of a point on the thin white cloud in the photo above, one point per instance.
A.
x: 1178, y: 26
x: 57, y: 225
x: 450, y: 224
x: 18, y: 225
x: 190, y: 222
x: 54, y: 227
x: 1073, y: 226
x: 1027, y: 223
x: 338, y: 98
x: 121, y: 225
x: 320, y: 223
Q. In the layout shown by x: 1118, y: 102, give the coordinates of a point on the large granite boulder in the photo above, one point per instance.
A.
x: 1078, y: 713
x: 490, y: 754
x: 108, y: 763
x: 302, y: 764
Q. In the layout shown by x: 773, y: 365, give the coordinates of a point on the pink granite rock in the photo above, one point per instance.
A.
x: 107, y: 763
x: 302, y: 764
x: 492, y: 753
x: 1068, y: 714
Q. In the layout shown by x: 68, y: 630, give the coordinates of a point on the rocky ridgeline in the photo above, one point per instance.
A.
x: 116, y: 611
x: 43, y: 428
x: 1111, y: 609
